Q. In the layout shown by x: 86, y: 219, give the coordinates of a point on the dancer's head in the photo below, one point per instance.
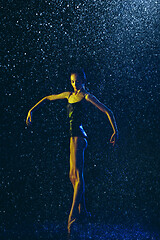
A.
x: 78, y: 79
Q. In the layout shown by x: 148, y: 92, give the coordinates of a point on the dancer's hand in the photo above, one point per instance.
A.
x: 29, y: 118
x: 114, y: 138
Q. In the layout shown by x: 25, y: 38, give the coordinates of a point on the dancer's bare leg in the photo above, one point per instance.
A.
x: 77, y: 147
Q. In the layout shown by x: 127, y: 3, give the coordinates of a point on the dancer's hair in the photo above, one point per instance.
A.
x: 80, y: 73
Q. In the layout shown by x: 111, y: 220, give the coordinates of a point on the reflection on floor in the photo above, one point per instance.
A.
x: 95, y: 231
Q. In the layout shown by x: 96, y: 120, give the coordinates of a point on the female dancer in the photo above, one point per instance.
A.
x: 78, y: 138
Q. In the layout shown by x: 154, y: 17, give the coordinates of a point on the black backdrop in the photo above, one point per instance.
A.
x: 117, y: 44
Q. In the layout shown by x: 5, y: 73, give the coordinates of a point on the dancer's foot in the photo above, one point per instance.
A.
x: 70, y: 224
x: 72, y: 219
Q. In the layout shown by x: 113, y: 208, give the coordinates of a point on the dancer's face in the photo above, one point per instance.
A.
x: 76, y: 82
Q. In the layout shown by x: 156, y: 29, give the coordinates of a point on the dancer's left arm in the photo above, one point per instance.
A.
x: 91, y: 98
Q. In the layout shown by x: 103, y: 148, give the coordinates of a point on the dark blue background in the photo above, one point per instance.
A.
x: 117, y: 44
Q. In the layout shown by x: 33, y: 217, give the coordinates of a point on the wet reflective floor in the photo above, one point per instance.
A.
x: 95, y: 231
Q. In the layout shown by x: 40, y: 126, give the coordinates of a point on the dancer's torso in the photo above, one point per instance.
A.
x: 76, y: 115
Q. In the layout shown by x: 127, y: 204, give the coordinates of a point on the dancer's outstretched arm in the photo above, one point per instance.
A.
x: 91, y: 98
x: 50, y: 98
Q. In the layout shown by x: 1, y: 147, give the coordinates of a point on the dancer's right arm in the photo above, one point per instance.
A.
x: 50, y: 98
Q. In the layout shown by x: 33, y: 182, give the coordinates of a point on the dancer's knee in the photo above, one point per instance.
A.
x: 76, y: 178
x: 72, y: 177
